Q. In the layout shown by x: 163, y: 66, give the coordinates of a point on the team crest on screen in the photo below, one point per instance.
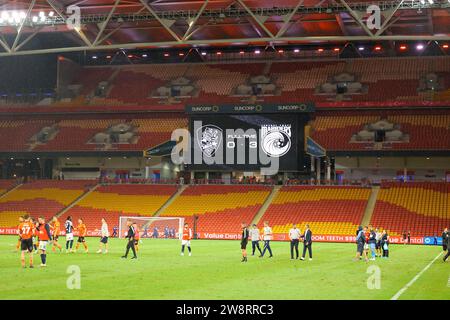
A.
x: 209, y: 138
x: 276, y: 139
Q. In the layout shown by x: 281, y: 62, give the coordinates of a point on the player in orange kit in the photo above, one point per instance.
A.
x: 44, y: 236
x: 186, y: 240
x: 20, y: 239
x: 55, y: 228
x: 82, y: 231
x: 137, y: 237
x: 26, y: 232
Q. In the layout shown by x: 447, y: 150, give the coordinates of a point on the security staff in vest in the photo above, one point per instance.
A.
x: 294, y: 236
x: 131, y: 241
x: 445, y: 236
x: 307, y: 243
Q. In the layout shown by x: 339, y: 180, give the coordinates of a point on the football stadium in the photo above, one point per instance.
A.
x: 225, y: 150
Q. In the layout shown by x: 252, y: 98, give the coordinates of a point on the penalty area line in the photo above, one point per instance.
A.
x: 409, y: 284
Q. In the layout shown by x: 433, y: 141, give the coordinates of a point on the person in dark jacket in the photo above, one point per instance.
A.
x: 385, y: 244
x: 372, y: 242
x: 131, y: 240
x: 307, y: 243
x: 360, y: 242
x: 244, y: 242
x: 448, y: 249
x: 445, y: 236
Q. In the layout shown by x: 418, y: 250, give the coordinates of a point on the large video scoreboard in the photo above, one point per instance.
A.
x: 246, y: 138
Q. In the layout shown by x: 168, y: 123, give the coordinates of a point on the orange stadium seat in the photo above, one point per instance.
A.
x: 75, y: 134
x: 219, y: 208
x: 420, y: 207
x: 328, y: 210
x: 40, y: 198
x: 112, y: 201
x: 334, y: 130
x: 6, y: 185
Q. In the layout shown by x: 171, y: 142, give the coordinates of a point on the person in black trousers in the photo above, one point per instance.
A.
x: 255, y: 237
x: 448, y: 249
x: 294, y: 236
x: 307, y: 243
x: 385, y: 244
x: 445, y: 236
x: 131, y: 241
x: 244, y: 242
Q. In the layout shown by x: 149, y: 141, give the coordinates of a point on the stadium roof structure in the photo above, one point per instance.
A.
x: 56, y: 26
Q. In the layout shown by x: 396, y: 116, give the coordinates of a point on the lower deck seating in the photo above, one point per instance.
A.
x: 327, y: 210
x: 6, y: 185
x: 219, y: 208
x: 420, y: 207
x: 41, y: 198
x: 112, y: 201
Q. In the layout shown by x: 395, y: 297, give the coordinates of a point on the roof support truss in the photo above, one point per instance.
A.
x: 345, y: 14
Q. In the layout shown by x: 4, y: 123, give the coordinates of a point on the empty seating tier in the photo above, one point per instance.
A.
x: 112, y: 201
x: 41, y: 198
x: 328, y: 210
x: 218, y: 208
x: 420, y: 207
x: 426, y: 131
x: 78, y: 134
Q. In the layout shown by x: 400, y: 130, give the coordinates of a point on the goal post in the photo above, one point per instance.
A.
x: 153, y: 227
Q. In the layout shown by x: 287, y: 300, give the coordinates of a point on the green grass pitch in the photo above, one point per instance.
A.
x: 215, y: 272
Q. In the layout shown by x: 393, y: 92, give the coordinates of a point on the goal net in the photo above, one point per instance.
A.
x: 154, y: 227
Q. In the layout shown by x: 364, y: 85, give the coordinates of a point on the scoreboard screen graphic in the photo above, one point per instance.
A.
x: 246, y: 142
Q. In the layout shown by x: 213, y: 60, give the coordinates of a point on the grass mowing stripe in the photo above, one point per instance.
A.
x: 409, y: 284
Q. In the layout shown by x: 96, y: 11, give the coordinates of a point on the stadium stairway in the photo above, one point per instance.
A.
x: 170, y: 200
x: 74, y: 203
x: 266, y: 205
x: 370, y: 206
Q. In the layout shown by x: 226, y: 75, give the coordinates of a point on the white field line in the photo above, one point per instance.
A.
x: 409, y: 284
